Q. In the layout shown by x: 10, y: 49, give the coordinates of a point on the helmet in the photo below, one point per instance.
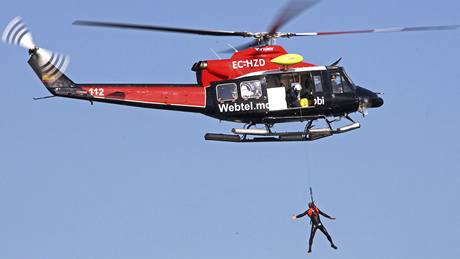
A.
x: 311, y: 205
x: 297, y: 86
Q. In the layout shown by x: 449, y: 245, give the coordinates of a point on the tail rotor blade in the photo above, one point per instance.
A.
x: 17, y: 33
x: 51, y: 62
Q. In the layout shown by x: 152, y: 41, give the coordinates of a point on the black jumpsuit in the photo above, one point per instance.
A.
x: 316, y: 224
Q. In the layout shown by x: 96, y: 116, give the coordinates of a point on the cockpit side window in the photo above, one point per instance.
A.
x: 336, y: 82
x: 340, y: 83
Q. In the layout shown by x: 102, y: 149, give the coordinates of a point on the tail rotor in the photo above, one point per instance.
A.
x: 51, y: 65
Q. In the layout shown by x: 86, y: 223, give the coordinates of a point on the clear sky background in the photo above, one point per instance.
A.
x: 106, y: 181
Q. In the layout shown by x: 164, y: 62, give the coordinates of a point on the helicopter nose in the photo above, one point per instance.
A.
x: 368, y: 98
x: 375, y: 102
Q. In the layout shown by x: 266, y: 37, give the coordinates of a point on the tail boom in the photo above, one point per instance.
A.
x: 184, y: 97
x: 191, y: 98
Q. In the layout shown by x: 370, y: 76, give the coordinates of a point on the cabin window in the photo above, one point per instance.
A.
x: 273, y: 81
x: 227, y: 92
x: 251, y: 89
x: 318, y: 84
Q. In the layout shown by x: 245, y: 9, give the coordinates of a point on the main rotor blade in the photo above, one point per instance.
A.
x: 161, y: 28
x: 394, y: 29
x: 248, y: 45
x: 289, y: 12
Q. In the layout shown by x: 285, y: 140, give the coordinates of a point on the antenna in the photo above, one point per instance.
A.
x: 336, y: 62
x: 43, y: 98
x: 215, y: 53
x: 230, y: 45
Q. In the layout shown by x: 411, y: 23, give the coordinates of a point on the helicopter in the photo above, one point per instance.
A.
x: 260, y: 84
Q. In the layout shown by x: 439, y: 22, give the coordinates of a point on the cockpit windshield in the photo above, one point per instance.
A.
x: 348, y: 77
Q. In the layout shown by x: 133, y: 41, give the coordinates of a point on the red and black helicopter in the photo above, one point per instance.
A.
x: 260, y: 84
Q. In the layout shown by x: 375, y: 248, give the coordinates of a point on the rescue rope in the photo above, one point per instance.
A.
x: 308, y: 167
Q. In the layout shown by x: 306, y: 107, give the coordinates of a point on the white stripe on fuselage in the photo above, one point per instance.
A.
x: 294, y: 70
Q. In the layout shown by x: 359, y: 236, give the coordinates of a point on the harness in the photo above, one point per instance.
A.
x: 313, y: 212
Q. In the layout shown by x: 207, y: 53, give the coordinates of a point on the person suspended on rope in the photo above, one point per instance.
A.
x: 314, y: 214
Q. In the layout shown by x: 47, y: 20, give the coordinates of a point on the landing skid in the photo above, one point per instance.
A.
x: 266, y: 135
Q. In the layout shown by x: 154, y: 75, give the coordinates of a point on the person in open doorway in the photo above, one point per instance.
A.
x: 314, y: 214
x: 293, y: 95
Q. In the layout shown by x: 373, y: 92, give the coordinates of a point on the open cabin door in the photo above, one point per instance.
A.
x: 276, y: 94
x: 303, y: 90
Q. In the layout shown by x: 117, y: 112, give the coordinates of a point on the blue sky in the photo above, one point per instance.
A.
x: 106, y: 181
